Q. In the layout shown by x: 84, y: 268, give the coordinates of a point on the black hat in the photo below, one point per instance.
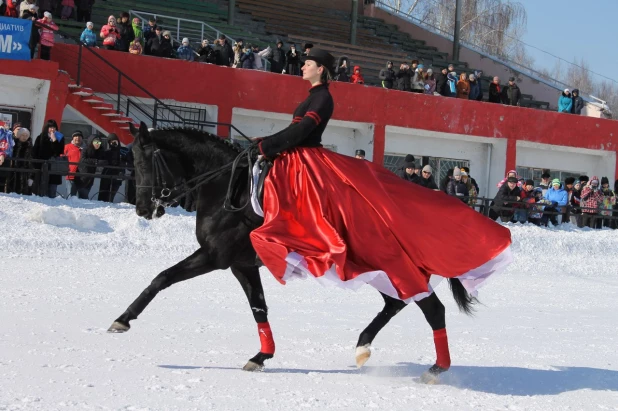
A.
x: 466, y: 169
x: 584, y: 179
x: 511, y: 78
x: 410, y: 161
x: 545, y: 174
x: 279, y: 41
x: 569, y: 180
x: 604, y: 180
x: 77, y: 133
x: 321, y: 57
x: 529, y: 182
x: 511, y: 180
x: 307, y: 46
x: 360, y: 153
x: 112, y: 137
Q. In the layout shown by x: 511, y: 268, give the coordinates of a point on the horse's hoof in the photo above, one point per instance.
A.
x: 257, y: 363
x: 253, y: 367
x: 118, y: 327
x: 432, y: 376
x: 363, y: 353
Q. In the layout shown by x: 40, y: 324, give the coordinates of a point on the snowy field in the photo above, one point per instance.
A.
x: 545, y: 338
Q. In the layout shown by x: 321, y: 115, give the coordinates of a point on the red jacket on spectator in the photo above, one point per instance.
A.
x: 73, y: 153
x: 591, y: 199
x: 11, y: 8
x: 47, y: 35
x: 357, y: 77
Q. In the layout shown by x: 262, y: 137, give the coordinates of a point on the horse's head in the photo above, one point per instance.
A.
x: 156, y: 174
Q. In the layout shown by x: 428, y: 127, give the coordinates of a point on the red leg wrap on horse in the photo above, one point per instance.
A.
x: 441, y: 341
x: 266, y: 338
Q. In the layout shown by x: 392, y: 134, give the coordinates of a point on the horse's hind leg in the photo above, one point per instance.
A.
x: 392, y: 306
x: 196, y: 264
x: 434, y: 314
x: 249, y: 279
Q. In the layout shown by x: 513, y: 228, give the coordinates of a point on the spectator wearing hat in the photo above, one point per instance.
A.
x: 136, y: 46
x: 49, y: 144
x: 292, y: 61
x: 24, y: 6
x: 609, y: 201
x: 558, y: 199
x: 507, y: 198
x: 110, y: 34
x: 357, y: 76
x: 591, y: 200
x: 165, y: 46
x: 150, y: 30
x: 476, y: 93
x: 511, y: 94
x: 495, y: 94
x: 73, y: 152
x: 418, y: 79
x: 46, y: 31
x: 113, y: 157
x: 427, y: 180
x: 575, y: 204
x: 407, y: 170
x: 578, y: 102
x: 206, y: 53
x: 451, y: 84
x: 341, y: 70
x: 527, y: 197
x: 565, y: 101
x: 510, y: 173
x: 92, y: 157
x: 247, y: 58
x: 88, y: 37
x: 154, y: 41
x: 125, y: 29
x: 568, y: 187
x: 306, y: 48
x: 472, y: 180
x: 430, y: 83
x: 387, y: 76
x: 545, y: 183
x: 225, y: 54
x: 472, y: 190
x: 238, y: 49
x: 18, y: 181
x: 441, y: 80
x: 360, y: 154
x: 277, y: 60
x: 404, y: 77
x: 185, y: 52
x: 463, y: 87
x: 456, y: 187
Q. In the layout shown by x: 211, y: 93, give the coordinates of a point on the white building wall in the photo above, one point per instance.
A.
x: 26, y: 93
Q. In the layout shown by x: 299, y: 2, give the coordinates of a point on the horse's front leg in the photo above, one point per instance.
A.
x: 249, y: 279
x: 196, y: 264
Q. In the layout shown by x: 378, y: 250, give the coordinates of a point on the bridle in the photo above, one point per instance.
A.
x: 164, y: 199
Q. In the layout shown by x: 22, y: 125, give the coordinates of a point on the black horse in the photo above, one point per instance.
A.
x: 165, y: 157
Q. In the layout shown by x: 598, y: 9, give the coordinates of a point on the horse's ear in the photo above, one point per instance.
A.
x: 143, y: 134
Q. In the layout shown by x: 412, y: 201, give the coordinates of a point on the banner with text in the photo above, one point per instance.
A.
x: 15, y: 38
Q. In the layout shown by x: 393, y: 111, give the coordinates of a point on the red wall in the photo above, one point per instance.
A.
x: 228, y: 88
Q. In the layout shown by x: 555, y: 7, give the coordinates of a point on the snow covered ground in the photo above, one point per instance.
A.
x: 545, y: 338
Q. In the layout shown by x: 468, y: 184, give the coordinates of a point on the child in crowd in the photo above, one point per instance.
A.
x: 88, y: 37
x: 136, y: 46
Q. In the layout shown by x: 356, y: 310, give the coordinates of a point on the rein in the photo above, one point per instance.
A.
x: 160, y: 166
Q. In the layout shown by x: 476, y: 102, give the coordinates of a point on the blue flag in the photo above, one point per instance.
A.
x: 15, y: 38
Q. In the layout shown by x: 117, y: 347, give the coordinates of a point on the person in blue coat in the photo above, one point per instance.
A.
x: 565, y: 102
x: 558, y: 197
x: 88, y: 37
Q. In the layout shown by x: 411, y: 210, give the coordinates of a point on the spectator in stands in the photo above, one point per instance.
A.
x: 341, y: 71
x: 109, y: 187
x: 404, y: 77
x: 578, y: 103
x: 446, y: 180
x: 451, y: 69
x: 608, y: 203
x: 495, y: 95
x: 11, y: 8
x: 88, y: 37
x: 565, y: 102
x: 558, y: 199
x: 84, y: 10
x: 238, y: 52
x: 292, y: 61
x: 510, y: 173
x: 46, y: 5
x: 6, y: 149
x: 407, y: 171
x: 451, y: 84
x: 153, y: 42
x: 247, y: 59
x: 426, y: 179
x: 138, y: 33
x: 49, y: 144
x: 456, y: 187
x: 73, y: 152
x: 109, y: 34
x: 92, y: 157
x: 414, y: 64
x: 360, y: 154
x: 67, y: 9
x: 472, y: 180
x: 357, y: 77
x: 528, y: 197
x: 17, y: 181
x: 576, y: 202
x: 418, y: 79
x: 165, y: 46
x: 568, y: 187
x: 417, y: 168
x: 226, y: 54
x: 387, y: 76
x: 136, y: 46
x: 306, y: 48
x: 31, y: 13
x: 206, y: 53
x: 430, y: 83
x: 463, y: 87
x: 511, y: 94
x: 277, y: 61
x: 47, y: 36
x: 185, y: 52
x: 472, y: 193
x: 125, y: 29
x: 476, y: 93
x: 24, y: 6
x: 261, y: 56
x: 591, y: 199
x: 545, y: 181
x: 508, y: 195
x: 441, y: 82
x: 150, y: 30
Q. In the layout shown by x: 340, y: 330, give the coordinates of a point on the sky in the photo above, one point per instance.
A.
x: 573, y: 29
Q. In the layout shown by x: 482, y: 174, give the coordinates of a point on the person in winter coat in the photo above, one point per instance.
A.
x: 226, y: 54
x: 558, y: 199
x: 341, y: 71
x: 609, y: 201
x: 185, y: 52
x: 165, y: 46
x: 292, y: 61
x: 357, y: 77
x: 407, y: 170
x: 508, y: 195
x: 387, y: 76
x: 92, y: 157
x: 84, y: 10
x: 511, y: 173
x: 6, y: 151
x: 11, y: 8
x: 441, y: 82
x: 259, y: 57
x: 451, y: 84
x: 277, y: 60
x: 49, y: 144
x: 565, y: 102
x: 125, y: 29
x: 238, y: 52
x: 154, y: 42
x: 136, y: 46
x: 31, y: 13
x: 67, y: 9
x: 136, y: 24
x: 206, y: 53
x: 110, y: 34
x: 426, y: 179
x: 404, y: 78
x: 109, y: 187
x: 24, y: 6
x: 47, y: 35
x: 575, y: 203
x: 495, y: 95
x: 475, y: 89
x: 88, y: 37
x: 73, y: 152
x: 578, y: 102
x: 17, y: 181
x: 456, y: 187
x: 472, y: 190
x: 418, y: 80
x: 150, y: 30
x: 463, y: 87
x: 511, y: 94
x: 247, y: 59
x: 591, y: 200
x: 430, y: 83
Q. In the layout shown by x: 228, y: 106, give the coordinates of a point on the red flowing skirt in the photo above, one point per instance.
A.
x: 349, y: 221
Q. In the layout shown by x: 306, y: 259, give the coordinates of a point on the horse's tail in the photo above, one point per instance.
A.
x: 464, y: 300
